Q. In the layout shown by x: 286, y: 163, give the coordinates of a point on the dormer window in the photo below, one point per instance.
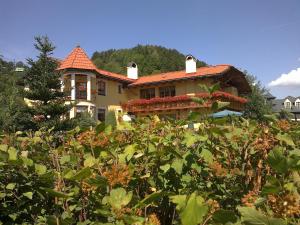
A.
x: 297, y: 104
x: 287, y: 105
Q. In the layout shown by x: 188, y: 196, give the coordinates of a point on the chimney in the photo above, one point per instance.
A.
x: 132, y: 70
x: 190, y: 64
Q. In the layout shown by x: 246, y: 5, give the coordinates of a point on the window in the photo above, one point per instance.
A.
x: 167, y: 91
x: 81, y: 90
x: 101, y: 114
x: 287, y: 105
x: 101, y: 88
x: 147, y: 93
x: 297, y: 104
x: 120, y: 88
x: 80, y: 110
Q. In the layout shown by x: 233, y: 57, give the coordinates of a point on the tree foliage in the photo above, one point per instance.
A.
x: 13, y: 113
x: 149, y: 58
x: 43, y: 88
x: 257, y: 105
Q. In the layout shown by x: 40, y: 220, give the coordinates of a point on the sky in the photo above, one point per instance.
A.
x: 260, y: 36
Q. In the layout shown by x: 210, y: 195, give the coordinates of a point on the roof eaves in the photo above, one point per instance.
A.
x: 178, y: 79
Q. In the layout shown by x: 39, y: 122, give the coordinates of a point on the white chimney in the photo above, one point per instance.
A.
x: 190, y: 64
x: 132, y: 70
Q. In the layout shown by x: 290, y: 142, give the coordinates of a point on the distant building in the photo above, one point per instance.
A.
x: 19, y: 69
x: 290, y: 104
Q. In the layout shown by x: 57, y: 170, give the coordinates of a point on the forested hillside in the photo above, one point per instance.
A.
x: 150, y: 59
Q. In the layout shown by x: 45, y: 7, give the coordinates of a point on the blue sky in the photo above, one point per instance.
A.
x: 260, y: 36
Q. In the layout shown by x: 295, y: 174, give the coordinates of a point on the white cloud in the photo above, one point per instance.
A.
x: 291, y: 79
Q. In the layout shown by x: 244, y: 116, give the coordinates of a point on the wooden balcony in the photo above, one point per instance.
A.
x: 183, y: 102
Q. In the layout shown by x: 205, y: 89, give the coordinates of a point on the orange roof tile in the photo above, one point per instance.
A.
x: 114, y: 75
x: 77, y: 59
x: 179, y: 75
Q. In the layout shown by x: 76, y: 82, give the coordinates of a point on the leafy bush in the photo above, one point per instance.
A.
x: 153, y: 172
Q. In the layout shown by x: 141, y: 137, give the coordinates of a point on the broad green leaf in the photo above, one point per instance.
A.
x: 28, y: 194
x: 65, y: 159
x: 207, y: 156
x: 129, y: 151
x: 277, y: 160
x: 3, y: 147
x: 177, y: 165
x: 189, y: 139
x: 224, y: 216
x: 179, y: 200
x: 4, y: 156
x: 222, y: 104
x: 194, y: 212
x: 82, y: 174
x: 89, y: 161
x: 250, y: 216
x: 270, y: 189
x: 200, y: 101
x: 27, y: 162
x: 11, y: 186
x: 12, y: 152
x: 285, y: 138
x: 40, y: 169
x: 149, y: 199
x: 119, y: 198
x: 100, y: 128
x: 165, y: 167
x: 54, y: 193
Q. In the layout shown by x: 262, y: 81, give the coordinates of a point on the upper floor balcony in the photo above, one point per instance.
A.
x: 80, y: 87
x: 183, y: 102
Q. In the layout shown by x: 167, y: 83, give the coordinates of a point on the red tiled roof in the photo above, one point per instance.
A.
x: 114, y: 75
x: 77, y: 59
x: 178, y: 75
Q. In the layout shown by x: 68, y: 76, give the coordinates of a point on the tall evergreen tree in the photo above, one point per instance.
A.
x: 42, y: 83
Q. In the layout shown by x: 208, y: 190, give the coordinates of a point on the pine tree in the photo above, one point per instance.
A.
x: 42, y: 83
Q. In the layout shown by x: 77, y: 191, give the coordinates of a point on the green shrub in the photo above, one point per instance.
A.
x: 153, y: 172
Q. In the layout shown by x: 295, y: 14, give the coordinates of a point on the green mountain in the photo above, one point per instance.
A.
x: 150, y: 59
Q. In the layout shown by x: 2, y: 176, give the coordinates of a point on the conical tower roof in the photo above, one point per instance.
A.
x: 77, y: 59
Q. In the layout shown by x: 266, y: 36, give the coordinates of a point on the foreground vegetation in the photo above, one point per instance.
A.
x: 153, y: 172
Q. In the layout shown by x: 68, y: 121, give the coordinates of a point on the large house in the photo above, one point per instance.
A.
x: 167, y: 94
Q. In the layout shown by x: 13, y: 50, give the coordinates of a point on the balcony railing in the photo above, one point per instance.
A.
x: 183, y: 102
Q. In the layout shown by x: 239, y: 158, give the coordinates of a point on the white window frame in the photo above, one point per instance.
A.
x: 287, y: 104
x: 297, y: 103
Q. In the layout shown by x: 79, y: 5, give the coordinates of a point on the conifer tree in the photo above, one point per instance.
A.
x: 43, y: 88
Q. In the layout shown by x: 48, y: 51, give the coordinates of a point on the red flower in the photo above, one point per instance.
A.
x: 219, y: 95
